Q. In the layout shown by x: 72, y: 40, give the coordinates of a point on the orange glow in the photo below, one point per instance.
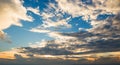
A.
x: 11, y: 55
x: 7, y: 55
x: 91, y: 59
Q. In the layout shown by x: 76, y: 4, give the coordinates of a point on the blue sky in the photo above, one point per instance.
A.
x: 59, y: 28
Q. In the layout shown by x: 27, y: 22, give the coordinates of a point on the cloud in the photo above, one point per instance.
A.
x: 34, y: 10
x: 53, y: 19
x: 36, y: 61
x: 12, y: 12
x: 7, y: 55
x: 99, y: 39
x: 88, y: 9
x: 65, y: 46
x: 54, y: 14
x: 57, y: 35
x: 111, y: 58
x: 4, y: 37
x: 57, y: 24
x: 38, y: 30
x: 109, y: 26
x: 102, y: 35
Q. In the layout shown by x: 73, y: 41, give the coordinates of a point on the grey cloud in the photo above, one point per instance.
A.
x: 102, y: 46
x: 45, y: 51
x: 111, y: 26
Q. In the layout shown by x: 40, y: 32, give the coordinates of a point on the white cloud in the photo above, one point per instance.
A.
x: 11, y: 12
x: 39, y: 30
x: 108, y: 5
x: 34, y: 10
x: 57, y: 24
x: 59, y: 36
x: 78, y: 8
x: 53, y: 17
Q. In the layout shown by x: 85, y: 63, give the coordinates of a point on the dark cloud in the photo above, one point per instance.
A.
x: 46, y: 51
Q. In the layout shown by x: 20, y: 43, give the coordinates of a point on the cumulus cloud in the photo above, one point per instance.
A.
x: 12, y: 12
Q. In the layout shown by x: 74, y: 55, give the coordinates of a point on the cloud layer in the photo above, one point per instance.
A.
x: 103, y: 37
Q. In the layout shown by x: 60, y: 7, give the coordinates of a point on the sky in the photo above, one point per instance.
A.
x: 59, y: 32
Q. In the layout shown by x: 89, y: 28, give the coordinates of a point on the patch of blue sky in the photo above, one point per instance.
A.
x: 78, y: 22
x: 36, y: 22
x: 30, y: 3
x: 104, y: 16
x: 21, y: 37
x: 88, y: 2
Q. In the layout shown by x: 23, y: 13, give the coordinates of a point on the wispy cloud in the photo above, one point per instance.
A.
x: 38, y: 30
x: 34, y: 10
